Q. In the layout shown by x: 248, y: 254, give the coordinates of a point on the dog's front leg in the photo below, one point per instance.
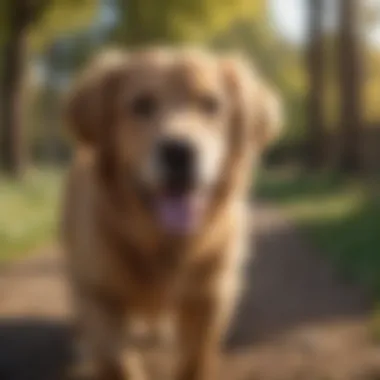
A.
x: 102, y: 335
x: 100, y: 331
x: 202, y: 321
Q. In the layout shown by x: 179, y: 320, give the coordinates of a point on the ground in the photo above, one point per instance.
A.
x: 298, y: 319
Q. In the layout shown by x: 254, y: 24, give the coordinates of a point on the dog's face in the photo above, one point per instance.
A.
x: 167, y: 121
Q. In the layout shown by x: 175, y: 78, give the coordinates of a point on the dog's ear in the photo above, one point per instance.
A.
x: 258, y: 104
x: 268, y: 115
x: 88, y: 103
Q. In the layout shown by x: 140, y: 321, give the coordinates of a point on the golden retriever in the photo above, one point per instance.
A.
x: 155, y: 215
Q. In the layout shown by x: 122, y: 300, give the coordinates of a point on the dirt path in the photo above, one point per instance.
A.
x: 297, y: 320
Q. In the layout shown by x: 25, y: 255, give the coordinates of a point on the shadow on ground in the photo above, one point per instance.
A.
x: 33, y: 349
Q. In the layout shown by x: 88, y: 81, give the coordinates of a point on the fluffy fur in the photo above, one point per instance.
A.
x: 120, y: 264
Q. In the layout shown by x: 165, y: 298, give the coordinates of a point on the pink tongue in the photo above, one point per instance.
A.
x: 178, y: 214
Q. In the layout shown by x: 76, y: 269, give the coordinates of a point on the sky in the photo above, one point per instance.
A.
x: 289, y: 18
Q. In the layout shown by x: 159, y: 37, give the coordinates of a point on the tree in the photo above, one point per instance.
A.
x: 174, y: 21
x: 18, y: 17
x: 315, y: 64
x: 349, y: 71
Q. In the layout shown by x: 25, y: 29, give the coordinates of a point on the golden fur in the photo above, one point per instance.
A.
x: 120, y: 264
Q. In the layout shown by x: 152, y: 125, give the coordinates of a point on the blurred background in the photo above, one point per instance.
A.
x: 324, y: 56
x: 322, y: 176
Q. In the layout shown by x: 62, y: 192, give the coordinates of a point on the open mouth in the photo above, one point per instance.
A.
x: 178, y: 211
x: 180, y: 214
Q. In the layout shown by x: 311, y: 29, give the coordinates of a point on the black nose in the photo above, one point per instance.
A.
x: 177, y: 158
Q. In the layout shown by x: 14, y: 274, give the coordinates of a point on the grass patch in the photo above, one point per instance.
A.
x: 28, y: 211
x: 340, y: 216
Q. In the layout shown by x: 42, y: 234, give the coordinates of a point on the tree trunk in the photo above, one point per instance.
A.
x: 12, y: 149
x: 50, y: 117
x: 315, y: 63
x: 350, y: 85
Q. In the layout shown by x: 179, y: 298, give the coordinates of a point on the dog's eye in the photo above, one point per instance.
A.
x: 144, y: 106
x: 209, y: 104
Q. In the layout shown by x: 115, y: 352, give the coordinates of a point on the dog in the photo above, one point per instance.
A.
x: 155, y: 210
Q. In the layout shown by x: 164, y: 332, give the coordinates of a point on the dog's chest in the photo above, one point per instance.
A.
x: 148, y: 281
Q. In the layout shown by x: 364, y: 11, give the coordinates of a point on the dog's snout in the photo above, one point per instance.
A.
x: 176, y: 155
x: 177, y: 158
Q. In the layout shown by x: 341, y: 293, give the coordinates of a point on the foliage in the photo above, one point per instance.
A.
x: 62, y: 17
x: 28, y: 212
x: 174, y: 21
x: 48, y: 19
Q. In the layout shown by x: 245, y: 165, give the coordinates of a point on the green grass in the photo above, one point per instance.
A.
x: 28, y: 211
x: 340, y: 216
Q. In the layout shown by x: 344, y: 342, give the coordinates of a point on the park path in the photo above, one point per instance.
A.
x: 297, y: 321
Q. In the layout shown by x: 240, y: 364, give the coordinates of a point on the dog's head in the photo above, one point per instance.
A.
x: 170, y: 122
